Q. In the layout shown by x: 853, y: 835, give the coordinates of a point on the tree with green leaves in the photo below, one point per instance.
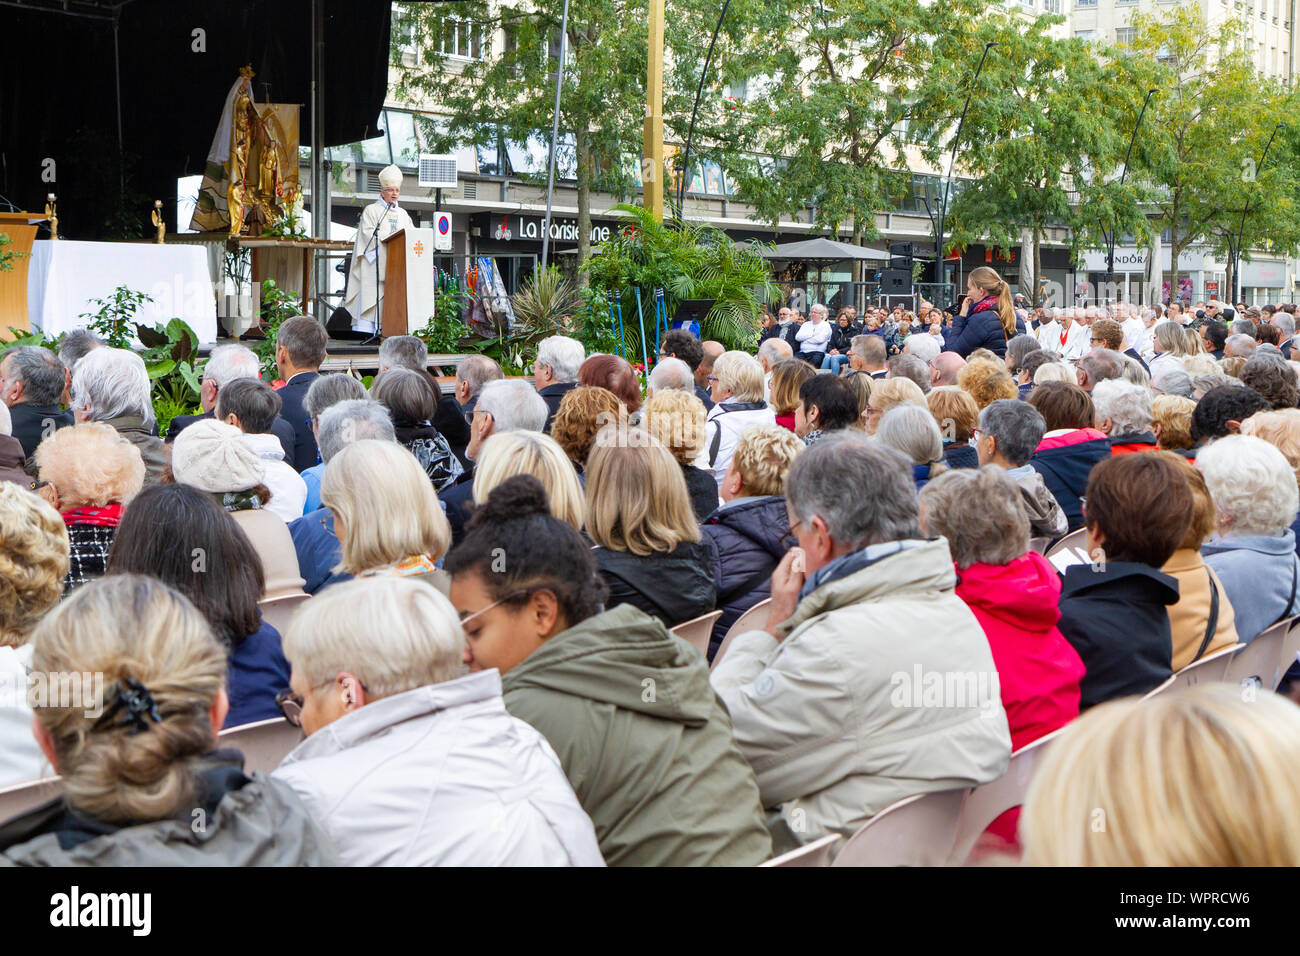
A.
x: 1204, y: 133
x: 508, y: 95
x: 843, y: 93
x: 1044, y: 144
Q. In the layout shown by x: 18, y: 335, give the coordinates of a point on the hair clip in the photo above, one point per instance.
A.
x: 140, y: 707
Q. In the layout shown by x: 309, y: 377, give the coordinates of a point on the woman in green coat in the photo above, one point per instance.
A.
x: 627, y: 706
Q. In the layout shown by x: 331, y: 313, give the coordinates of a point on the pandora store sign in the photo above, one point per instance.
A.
x: 529, y: 229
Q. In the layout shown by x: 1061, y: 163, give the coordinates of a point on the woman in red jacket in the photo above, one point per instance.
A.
x: 1013, y: 593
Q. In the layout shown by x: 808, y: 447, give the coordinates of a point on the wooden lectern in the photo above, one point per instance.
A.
x: 408, y: 281
x: 21, y: 229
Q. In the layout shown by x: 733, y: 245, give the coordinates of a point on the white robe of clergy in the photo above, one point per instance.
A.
x: 362, y: 290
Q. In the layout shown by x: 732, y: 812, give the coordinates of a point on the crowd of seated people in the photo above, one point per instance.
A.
x: 484, y: 581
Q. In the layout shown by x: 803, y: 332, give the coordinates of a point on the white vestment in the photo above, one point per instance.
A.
x: 362, y: 290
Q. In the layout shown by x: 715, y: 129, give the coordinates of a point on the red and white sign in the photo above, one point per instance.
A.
x: 442, y: 231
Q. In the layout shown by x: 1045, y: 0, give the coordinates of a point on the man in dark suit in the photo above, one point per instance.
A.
x: 299, y: 352
x: 1286, y: 323
x: 31, y: 381
x: 226, y: 364
x: 555, y: 373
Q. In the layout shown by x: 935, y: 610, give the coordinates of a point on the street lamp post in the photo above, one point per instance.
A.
x: 947, y: 183
x: 1110, y: 246
x: 1234, y: 248
x: 555, y: 134
x: 690, y: 132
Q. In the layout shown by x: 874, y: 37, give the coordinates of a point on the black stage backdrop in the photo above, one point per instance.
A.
x: 58, y: 95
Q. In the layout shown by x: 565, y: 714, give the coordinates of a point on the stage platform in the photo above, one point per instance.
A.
x: 342, y: 355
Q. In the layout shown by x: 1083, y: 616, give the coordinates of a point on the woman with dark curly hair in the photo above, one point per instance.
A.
x: 1273, y: 377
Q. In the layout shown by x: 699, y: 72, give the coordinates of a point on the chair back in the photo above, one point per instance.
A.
x: 755, y: 619
x: 1213, y: 667
x: 697, y: 631
x: 917, y: 831
x: 278, y: 612
x: 817, y: 853
x: 989, y: 801
x: 263, y: 743
x: 1040, y: 544
x: 1261, y: 659
x: 22, y: 797
x: 1290, y: 649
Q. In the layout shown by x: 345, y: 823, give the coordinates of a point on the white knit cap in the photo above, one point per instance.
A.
x: 390, y: 176
x: 212, y: 456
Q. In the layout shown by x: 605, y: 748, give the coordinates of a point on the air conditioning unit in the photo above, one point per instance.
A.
x: 438, y: 171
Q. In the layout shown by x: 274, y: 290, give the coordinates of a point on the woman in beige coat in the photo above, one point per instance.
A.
x: 1202, y: 621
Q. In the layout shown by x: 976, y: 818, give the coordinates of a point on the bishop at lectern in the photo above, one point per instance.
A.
x: 379, y: 220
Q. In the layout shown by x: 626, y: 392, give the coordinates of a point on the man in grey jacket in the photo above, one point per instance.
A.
x: 1008, y: 433
x: 873, y: 681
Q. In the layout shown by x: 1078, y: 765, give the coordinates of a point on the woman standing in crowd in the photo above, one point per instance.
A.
x: 92, y: 473
x: 183, y: 538
x: 987, y: 318
x: 386, y: 513
x: 648, y: 545
x: 414, y: 745
x: 676, y: 792
x: 137, y: 775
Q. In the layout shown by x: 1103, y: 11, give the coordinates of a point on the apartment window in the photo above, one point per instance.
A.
x: 1085, y: 3
x: 1052, y: 6
x: 462, y: 38
x: 1124, y: 36
x: 1087, y: 35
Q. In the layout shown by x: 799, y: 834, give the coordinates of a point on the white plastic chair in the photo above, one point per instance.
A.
x: 755, y: 619
x: 817, y: 853
x: 1261, y: 659
x: 989, y: 801
x: 22, y: 797
x: 263, y: 743
x: 278, y: 612
x: 697, y: 631
x: 1213, y: 667
x: 918, y: 831
x: 1290, y: 649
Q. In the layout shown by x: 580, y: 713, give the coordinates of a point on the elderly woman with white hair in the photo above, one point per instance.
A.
x: 912, y: 430
x: 1123, y: 412
x: 386, y: 514
x: 112, y: 386
x: 738, y: 402
x: 420, y: 763
x: 1254, y: 491
x: 1170, y: 345
x: 212, y: 456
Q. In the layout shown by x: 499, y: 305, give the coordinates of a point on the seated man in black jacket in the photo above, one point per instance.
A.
x: 1114, y: 610
x: 31, y: 381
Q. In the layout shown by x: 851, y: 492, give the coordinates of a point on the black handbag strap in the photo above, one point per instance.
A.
x: 1213, y: 624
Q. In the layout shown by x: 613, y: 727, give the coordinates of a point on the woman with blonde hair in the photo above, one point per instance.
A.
x: 143, y: 783
x: 787, y: 377
x: 677, y: 419
x: 386, y: 513
x: 1054, y: 372
x: 957, y: 416
x: 33, y: 564
x: 414, y: 742
x: 987, y: 381
x: 987, y: 318
x: 914, y: 432
x: 648, y: 550
x: 583, y: 411
x: 1170, y: 345
x: 1203, y: 777
x: 520, y: 452
x: 885, y: 394
x: 93, y: 473
x: 1171, y: 420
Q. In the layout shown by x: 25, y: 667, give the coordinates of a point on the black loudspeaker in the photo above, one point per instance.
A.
x: 900, y: 256
x: 896, y: 282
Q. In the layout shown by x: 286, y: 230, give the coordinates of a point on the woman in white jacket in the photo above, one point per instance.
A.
x: 738, y: 394
x: 33, y: 564
x: 406, y: 763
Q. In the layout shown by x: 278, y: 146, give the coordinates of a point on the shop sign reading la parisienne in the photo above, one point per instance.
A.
x: 529, y: 228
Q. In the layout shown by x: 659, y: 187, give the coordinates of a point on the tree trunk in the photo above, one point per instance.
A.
x: 582, y: 148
